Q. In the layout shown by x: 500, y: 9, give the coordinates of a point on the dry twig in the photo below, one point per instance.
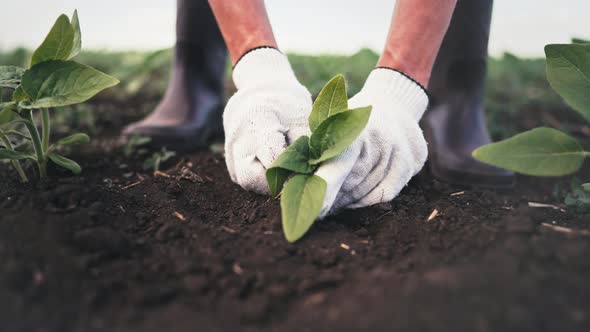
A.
x: 132, y: 185
x: 543, y: 205
x: 432, y: 215
x: 565, y: 230
x: 179, y: 216
x: 228, y: 230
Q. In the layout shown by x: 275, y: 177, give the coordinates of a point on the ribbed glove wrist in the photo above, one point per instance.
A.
x: 388, y: 85
x: 263, y: 66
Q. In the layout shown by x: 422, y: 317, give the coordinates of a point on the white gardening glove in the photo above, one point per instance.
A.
x: 390, y: 150
x: 267, y: 113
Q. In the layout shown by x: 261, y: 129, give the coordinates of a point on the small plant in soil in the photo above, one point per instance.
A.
x: 333, y: 128
x: 578, y: 196
x: 546, y: 151
x: 157, y: 159
x: 134, y: 144
x: 52, y: 80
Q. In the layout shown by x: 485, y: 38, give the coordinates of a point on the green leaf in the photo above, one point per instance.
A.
x: 6, y: 115
x: 10, y: 76
x: 293, y: 160
x: 301, y: 203
x: 538, y: 152
x: 165, y: 155
x: 58, y: 44
x: 157, y: 158
x: 20, y: 95
x: 578, y: 199
x: 568, y: 72
x: 10, y: 105
x: 19, y: 119
x: 586, y: 187
x: 330, y: 101
x: 62, y: 83
x: 134, y: 142
x: 66, y: 163
x: 276, y: 178
x: 138, y: 140
x: 14, y: 155
x: 77, y: 40
x: 79, y: 138
x: 581, y: 202
x: 295, y: 157
x: 336, y: 133
x: 15, y: 133
x: 580, y: 41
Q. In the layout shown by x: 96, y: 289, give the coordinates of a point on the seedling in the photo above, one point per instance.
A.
x: 575, y: 197
x: 333, y: 128
x: 157, y: 159
x: 547, y: 151
x: 134, y: 143
x: 53, y: 80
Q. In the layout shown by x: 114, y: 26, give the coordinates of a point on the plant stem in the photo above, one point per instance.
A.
x: 15, y: 163
x: 157, y: 164
x: 46, y: 129
x: 41, y: 160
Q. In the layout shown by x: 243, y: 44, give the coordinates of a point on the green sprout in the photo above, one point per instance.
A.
x: 134, y: 143
x: 334, y: 127
x: 53, y: 80
x: 157, y: 159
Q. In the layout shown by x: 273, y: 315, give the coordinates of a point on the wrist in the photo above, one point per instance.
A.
x: 418, y: 68
x: 263, y: 65
x: 237, y: 51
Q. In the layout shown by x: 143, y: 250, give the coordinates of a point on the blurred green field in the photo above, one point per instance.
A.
x: 515, y: 86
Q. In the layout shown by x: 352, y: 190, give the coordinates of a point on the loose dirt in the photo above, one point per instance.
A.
x: 119, y: 249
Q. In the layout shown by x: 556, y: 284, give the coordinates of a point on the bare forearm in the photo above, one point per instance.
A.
x: 415, y: 35
x: 244, y: 25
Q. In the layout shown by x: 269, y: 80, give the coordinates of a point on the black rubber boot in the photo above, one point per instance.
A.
x: 455, y: 125
x: 190, y: 114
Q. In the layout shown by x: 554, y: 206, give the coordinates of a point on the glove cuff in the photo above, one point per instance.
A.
x: 391, y: 84
x: 262, y: 65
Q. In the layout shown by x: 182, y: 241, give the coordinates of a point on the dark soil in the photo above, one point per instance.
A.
x: 118, y: 249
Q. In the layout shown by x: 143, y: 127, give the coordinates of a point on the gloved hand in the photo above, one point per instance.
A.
x: 390, y: 150
x: 267, y: 113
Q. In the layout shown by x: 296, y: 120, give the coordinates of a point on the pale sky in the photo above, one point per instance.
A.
x: 522, y: 27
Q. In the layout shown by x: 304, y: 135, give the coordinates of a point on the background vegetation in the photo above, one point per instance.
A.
x: 517, y: 88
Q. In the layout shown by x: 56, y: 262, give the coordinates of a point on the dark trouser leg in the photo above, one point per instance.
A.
x: 189, y: 115
x: 455, y: 124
